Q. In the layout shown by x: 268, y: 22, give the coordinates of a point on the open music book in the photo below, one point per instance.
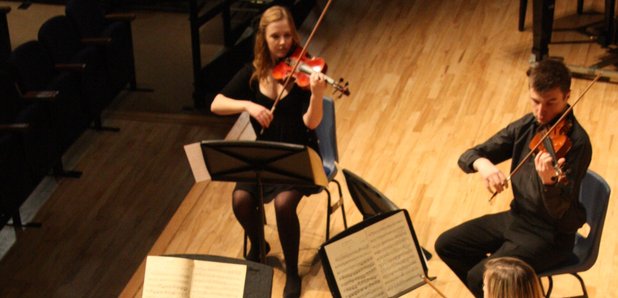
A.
x: 182, y: 277
x: 378, y: 257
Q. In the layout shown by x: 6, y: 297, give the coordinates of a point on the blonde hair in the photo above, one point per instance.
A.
x: 262, y: 60
x: 508, y: 277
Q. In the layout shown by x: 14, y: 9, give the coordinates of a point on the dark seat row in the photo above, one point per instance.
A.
x: 53, y: 89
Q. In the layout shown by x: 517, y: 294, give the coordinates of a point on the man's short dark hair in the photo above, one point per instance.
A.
x: 549, y: 74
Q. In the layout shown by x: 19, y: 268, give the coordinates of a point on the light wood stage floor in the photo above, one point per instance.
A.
x: 428, y: 78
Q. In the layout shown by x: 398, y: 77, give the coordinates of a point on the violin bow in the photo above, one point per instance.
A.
x: 564, y: 114
x: 302, y: 54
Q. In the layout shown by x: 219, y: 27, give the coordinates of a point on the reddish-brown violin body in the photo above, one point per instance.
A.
x: 306, y: 66
x: 557, y: 144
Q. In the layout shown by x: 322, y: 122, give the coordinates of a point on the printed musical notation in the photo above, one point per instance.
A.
x: 185, y: 278
x: 380, y: 260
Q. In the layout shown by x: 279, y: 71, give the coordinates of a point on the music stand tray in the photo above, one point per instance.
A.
x: 263, y: 162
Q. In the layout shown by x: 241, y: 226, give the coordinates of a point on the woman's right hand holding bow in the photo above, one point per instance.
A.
x: 263, y: 115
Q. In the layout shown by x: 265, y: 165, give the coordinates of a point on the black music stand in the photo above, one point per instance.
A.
x: 263, y: 162
x: 355, y: 264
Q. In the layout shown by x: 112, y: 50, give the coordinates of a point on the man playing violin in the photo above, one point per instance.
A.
x: 544, y: 214
x: 298, y: 113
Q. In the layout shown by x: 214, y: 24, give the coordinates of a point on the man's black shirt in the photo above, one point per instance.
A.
x: 542, y: 208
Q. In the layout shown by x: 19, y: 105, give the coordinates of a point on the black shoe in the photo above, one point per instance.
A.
x: 292, y: 286
x: 254, y: 252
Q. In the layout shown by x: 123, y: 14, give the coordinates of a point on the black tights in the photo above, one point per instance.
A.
x: 245, y: 209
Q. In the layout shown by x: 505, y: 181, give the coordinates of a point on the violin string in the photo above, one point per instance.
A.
x: 564, y: 114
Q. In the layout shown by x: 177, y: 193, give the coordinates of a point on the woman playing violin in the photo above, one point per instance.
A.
x: 545, y: 214
x: 298, y: 113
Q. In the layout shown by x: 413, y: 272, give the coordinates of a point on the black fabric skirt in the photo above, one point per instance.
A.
x: 272, y: 190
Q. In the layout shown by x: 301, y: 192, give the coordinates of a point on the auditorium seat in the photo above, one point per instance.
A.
x: 28, y: 148
x: 35, y: 75
x: 62, y: 40
x: 89, y: 17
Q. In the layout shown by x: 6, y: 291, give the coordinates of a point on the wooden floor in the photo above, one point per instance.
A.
x: 428, y: 78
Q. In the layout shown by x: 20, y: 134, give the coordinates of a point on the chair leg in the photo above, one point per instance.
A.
x: 345, y: 221
x: 59, y: 171
x: 97, y: 124
x: 581, y: 282
x: 523, y: 4
x: 328, y: 209
x: 580, y: 6
x: 550, y: 287
x: 244, y: 245
x: 19, y: 225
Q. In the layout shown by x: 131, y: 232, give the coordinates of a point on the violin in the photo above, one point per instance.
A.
x: 306, y: 66
x: 556, y: 143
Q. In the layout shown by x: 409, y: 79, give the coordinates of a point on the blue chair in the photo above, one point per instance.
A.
x: 327, y: 137
x: 594, y: 195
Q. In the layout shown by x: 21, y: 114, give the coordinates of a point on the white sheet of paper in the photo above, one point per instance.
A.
x: 167, y: 277
x: 196, y: 161
x: 395, y: 253
x: 354, y: 267
x: 183, y: 278
x: 218, y: 280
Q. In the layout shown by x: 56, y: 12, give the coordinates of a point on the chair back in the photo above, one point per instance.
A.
x: 61, y: 39
x: 368, y: 199
x: 88, y: 16
x: 60, y: 36
x: 594, y: 196
x: 31, y: 66
x: 327, y: 138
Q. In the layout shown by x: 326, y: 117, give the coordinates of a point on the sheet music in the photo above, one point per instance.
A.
x: 176, y: 277
x: 395, y: 254
x: 196, y: 161
x: 354, y: 268
x: 167, y: 277
x: 380, y: 260
x: 218, y: 280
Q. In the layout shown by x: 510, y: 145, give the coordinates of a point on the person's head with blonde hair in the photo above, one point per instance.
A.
x: 508, y: 277
x: 275, y: 37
